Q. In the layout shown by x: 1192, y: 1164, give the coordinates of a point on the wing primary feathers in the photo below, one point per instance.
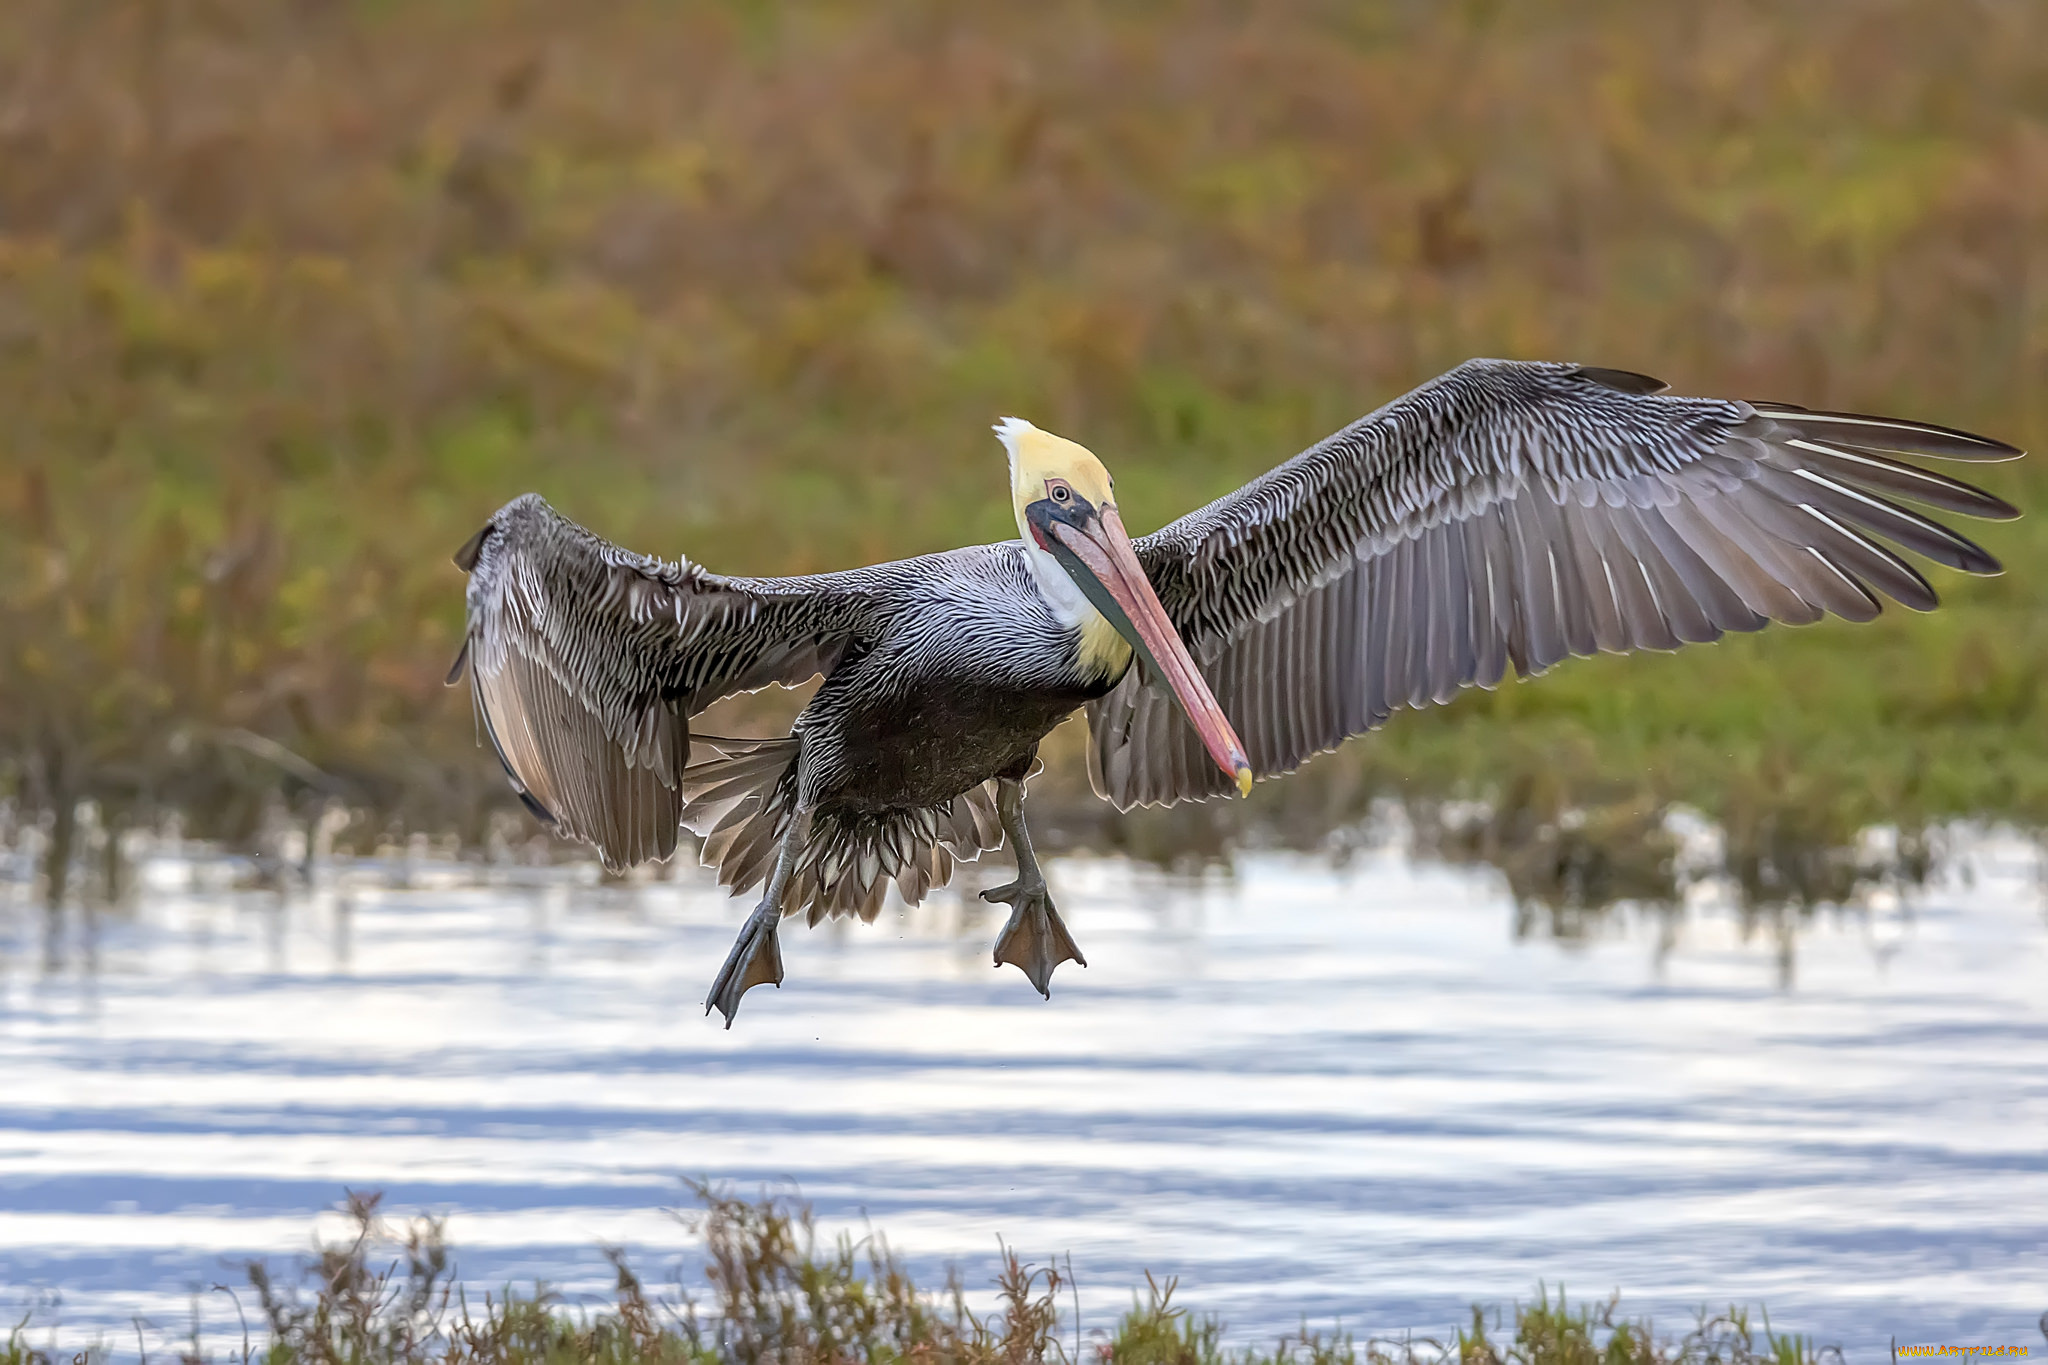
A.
x: 1888, y: 433
x: 586, y: 662
x: 1733, y: 551
x: 1510, y: 513
x: 1871, y: 561
x: 1721, y: 606
x: 1895, y: 523
x: 1921, y: 485
x: 535, y: 808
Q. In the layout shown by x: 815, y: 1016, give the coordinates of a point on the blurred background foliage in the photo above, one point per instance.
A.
x: 293, y: 293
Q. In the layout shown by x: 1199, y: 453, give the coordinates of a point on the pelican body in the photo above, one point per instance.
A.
x: 1508, y: 513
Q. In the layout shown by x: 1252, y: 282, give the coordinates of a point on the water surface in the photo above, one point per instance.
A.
x: 1347, y: 1092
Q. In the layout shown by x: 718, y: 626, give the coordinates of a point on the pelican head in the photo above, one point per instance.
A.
x: 1066, y: 508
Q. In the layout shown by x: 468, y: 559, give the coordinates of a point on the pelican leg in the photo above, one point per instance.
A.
x: 756, y: 956
x: 1034, y: 941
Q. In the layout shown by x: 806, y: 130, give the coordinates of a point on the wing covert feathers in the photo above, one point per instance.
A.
x: 587, y: 661
x: 1517, y: 513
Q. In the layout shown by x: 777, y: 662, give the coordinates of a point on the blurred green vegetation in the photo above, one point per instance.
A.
x: 293, y: 295
x: 778, y: 1293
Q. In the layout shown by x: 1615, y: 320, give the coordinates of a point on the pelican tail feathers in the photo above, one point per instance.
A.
x: 741, y: 798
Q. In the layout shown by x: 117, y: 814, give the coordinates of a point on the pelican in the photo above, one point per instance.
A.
x: 1506, y: 513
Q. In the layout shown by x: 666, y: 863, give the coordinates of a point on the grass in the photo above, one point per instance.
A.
x: 775, y: 1291
x: 292, y: 296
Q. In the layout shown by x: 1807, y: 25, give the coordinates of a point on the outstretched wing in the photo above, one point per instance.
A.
x: 587, y: 661
x: 1515, y: 512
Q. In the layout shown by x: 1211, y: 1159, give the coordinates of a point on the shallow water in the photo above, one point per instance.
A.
x: 1342, y: 1092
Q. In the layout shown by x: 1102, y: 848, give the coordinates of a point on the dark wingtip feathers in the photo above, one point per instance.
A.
x: 455, y: 670
x: 465, y: 558
x: 1622, y: 381
x: 542, y: 813
x: 1889, y: 434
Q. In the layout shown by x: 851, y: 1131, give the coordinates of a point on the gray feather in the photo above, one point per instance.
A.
x: 1514, y: 512
x: 588, y: 661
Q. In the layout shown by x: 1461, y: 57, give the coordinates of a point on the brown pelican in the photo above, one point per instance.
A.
x: 1506, y: 513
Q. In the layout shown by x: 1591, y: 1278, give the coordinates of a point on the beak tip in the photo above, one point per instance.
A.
x: 1244, y: 781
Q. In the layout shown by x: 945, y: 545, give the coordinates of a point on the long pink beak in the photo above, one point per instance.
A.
x: 1104, y: 548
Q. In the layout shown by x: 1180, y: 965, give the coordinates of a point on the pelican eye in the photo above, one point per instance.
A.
x: 1061, y: 493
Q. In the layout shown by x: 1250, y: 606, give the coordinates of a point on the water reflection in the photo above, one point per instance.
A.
x: 1567, y: 869
x: 1375, y: 1084
x: 1566, y: 861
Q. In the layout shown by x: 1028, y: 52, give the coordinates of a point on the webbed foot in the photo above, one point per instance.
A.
x: 755, y: 960
x: 1035, y: 940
